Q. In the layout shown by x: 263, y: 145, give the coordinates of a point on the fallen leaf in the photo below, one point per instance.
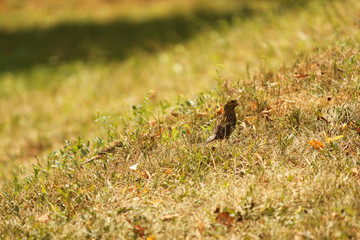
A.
x: 266, y: 112
x: 253, y: 106
x: 357, y: 129
x: 250, y: 120
x: 300, y: 76
x: 224, y: 218
x: 152, y: 122
x: 43, y: 218
x: 200, y: 223
x: 134, y: 167
x: 167, y: 217
x: 355, y: 171
x: 201, y: 227
x: 316, y: 144
x: 152, y: 237
x: 155, y: 202
x: 220, y: 112
x: 82, y: 191
x: 329, y: 140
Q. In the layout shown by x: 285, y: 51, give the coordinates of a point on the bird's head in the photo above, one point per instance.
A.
x: 231, y: 105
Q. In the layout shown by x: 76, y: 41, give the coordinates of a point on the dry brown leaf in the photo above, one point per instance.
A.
x: 167, y: 217
x: 253, y: 106
x: 43, y: 218
x: 357, y: 129
x: 266, y: 112
x: 201, y: 226
x: 82, y: 191
x: 300, y: 76
x: 316, y: 144
x: 355, y: 171
x: 156, y: 201
x: 152, y: 122
x: 250, y: 120
x: 224, y: 218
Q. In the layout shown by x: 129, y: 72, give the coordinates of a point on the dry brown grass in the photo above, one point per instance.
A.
x: 267, y: 180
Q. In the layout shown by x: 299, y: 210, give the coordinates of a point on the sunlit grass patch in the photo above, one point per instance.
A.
x: 158, y: 178
x: 141, y: 168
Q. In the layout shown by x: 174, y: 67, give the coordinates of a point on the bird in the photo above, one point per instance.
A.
x: 106, y: 150
x: 226, y: 123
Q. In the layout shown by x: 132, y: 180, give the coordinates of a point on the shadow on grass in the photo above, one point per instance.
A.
x: 117, y: 40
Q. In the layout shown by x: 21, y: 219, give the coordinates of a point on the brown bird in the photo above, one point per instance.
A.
x: 226, y: 123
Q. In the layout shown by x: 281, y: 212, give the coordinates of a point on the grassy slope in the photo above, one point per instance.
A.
x: 270, y: 180
x: 54, y: 91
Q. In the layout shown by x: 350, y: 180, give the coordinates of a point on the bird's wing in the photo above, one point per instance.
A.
x: 210, y: 139
x: 213, y: 136
x: 224, y: 129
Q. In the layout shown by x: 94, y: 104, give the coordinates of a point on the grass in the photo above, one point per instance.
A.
x: 46, y: 88
x: 271, y: 180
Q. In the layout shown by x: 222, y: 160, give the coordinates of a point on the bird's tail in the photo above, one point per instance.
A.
x: 209, y: 140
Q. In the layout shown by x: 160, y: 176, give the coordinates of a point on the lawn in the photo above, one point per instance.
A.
x: 106, y: 107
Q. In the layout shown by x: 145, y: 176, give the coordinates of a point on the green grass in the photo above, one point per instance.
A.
x: 294, y: 68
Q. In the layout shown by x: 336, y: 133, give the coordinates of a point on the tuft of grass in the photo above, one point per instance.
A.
x: 158, y: 180
x: 52, y: 93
